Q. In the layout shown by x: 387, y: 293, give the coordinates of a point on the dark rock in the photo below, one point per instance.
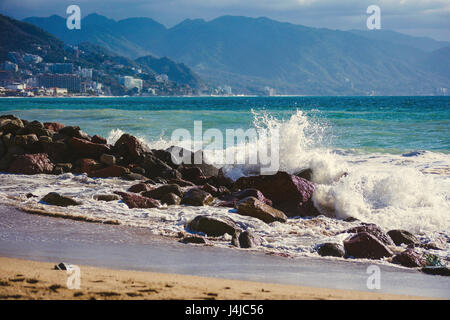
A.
x: 137, y: 188
x: 88, y: 165
x: 252, y: 193
x: 98, y: 139
x: 249, y: 240
x: 305, y: 174
x: 170, y: 199
x: 106, y: 197
x: 53, y: 126
x: 290, y: 194
x: 166, y: 157
x: 329, y: 249
x: 3, y: 149
x: 32, y: 164
x: 57, y: 151
x: 197, y: 197
x: 157, y: 180
x: 351, y: 219
x: 110, y: 172
x: 181, y: 182
x: 137, y: 169
x: 252, y: 207
x: 401, y: 236
x: 25, y: 140
x: 8, y: 140
x: 192, y: 174
x: 409, y: 258
x: 134, y: 200
x: 10, y: 126
x: 213, y: 227
x: 56, y: 199
x: 130, y: 147
x: 37, y: 128
x: 74, y: 132
x: 45, y: 139
x: 108, y: 159
x: 193, y: 239
x: 67, y: 167
x: 159, y: 192
x: 84, y: 148
x: 374, y: 230
x: 134, y: 177
x: 366, y: 245
x: 440, y: 270
x: 156, y: 168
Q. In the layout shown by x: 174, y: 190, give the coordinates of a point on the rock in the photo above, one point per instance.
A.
x: 409, y: 258
x: 56, y: 199
x: 170, y: 199
x: 137, y: 169
x: 137, y: 201
x: 8, y: 140
x: 402, y: 237
x: 25, y: 141
x: 290, y: 194
x: 157, y: 180
x: 37, y: 128
x: 110, y: 172
x: 159, y: 192
x: 45, y: 139
x: 213, y: 227
x: 57, y: 151
x: 3, y: 149
x: 84, y: 148
x: 249, y: 240
x: 106, y: 197
x: 74, y: 132
x: 67, y: 167
x: 193, y: 239
x: 108, y: 159
x: 252, y: 193
x: 89, y: 165
x: 192, y: 174
x: 11, y: 126
x: 98, y: 139
x: 31, y: 164
x: 181, y: 182
x: 440, y: 270
x: 137, y: 188
x: 156, y: 168
x: 305, y: 174
x: 252, y: 207
x: 166, y: 157
x: 130, y: 147
x: 197, y: 197
x: 329, y: 249
x: 366, y: 245
x: 134, y: 177
x: 53, y: 126
x: 374, y: 230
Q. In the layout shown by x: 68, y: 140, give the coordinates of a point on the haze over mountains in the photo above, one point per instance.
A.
x: 250, y: 54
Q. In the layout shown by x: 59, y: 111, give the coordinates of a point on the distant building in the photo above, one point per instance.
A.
x: 70, y: 82
x: 130, y: 82
x: 10, y: 66
x: 32, y: 58
x: 60, y: 68
x: 162, y: 78
x: 86, y: 73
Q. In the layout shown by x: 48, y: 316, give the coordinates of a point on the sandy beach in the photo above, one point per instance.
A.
x: 25, y: 279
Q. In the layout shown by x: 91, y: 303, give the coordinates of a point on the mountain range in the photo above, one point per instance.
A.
x: 251, y: 54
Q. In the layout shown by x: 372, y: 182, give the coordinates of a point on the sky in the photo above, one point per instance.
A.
x: 415, y: 17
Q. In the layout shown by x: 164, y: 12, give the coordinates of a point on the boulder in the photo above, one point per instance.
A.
x: 330, y: 249
x: 290, y: 194
x: 181, y: 182
x: 213, y: 227
x: 83, y: 148
x: 253, y: 207
x: 110, y: 172
x: 402, y: 237
x: 305, y: 174
x: 31, y: 164
x: 374, y: 230
x: 409, y: 258
x: 137, y: 188
x: 439, y: 270
x: 74, y: 132
x: 159, y: 192
x: 53, y: 126
x: 134, y: 200
x: 25, y: 141
x: 3, y: 149
x: 170, y: 199
x: 248, y: 239
x: 156, y: 168
x: 106, y: 197
x: 11, y: 125
x: 130, y: 147
x: 89, y: 165
x: 37, y: 128
x: 98, y: 139
x: 57, y: 151
x: 366, y: 245
x: 56, y: 199
x: 193, y: 174
x: 108, y: 159
x: 134, y: 177
x: 194, y: 239
x: 252, y: 193
x: 197, y: 197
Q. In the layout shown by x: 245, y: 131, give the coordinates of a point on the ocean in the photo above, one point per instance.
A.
x: 395, y: 152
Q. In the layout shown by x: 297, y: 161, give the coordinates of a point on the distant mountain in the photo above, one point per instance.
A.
x: 422, y: 43
x: 250, y: 54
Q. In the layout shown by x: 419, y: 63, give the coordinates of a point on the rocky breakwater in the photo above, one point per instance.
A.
x: 32, y: 147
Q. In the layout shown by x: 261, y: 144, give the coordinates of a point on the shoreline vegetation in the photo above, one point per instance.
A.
x: 31, y: 147
x: 26, y: 279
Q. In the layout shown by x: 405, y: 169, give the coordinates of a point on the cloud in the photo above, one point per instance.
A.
x: 421, y: 17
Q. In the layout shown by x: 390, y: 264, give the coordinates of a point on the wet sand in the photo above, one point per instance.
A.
x: 108, y: 250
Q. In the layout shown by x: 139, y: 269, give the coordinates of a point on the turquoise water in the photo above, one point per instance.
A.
x: 369, y: 124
